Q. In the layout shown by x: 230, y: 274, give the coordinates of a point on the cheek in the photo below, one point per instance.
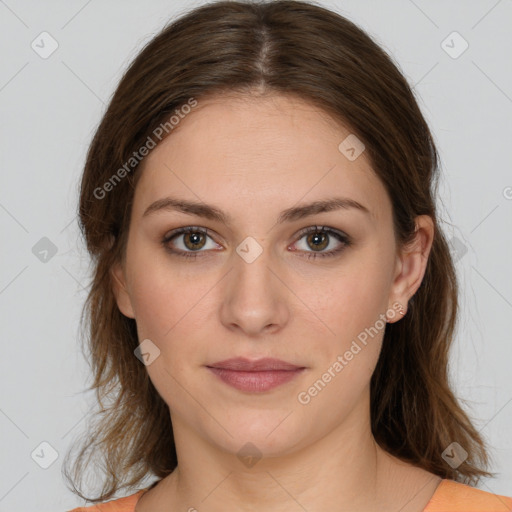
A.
x: 156, y: 305
x: 353, y: 299
x: 158, y: 292
x: 352, y: 306
x: 170, y: 303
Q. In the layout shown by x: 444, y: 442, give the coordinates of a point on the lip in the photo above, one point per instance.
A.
x: 255, y: 376
x: 259, y: 365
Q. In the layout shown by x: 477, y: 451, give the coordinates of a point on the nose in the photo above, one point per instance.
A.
x: 255, y: 298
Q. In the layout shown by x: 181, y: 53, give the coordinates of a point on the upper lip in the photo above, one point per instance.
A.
x: 246, y: 365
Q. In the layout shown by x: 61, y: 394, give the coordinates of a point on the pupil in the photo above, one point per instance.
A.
x: 194, y: 240
x: 318, y: 239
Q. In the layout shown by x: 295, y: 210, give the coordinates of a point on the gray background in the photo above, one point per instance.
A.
x: 49, y: 110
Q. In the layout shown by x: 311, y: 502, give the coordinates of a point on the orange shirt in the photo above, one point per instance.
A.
x: 450, y: 496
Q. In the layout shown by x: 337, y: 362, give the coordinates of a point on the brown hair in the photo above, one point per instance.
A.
x: 283, y: 47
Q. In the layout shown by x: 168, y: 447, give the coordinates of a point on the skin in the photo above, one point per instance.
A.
x: 253, y: 157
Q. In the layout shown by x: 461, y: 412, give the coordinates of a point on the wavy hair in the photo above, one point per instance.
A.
x: 276, y: 47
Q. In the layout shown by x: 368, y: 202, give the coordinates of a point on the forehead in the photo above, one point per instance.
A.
x: 261, y: 150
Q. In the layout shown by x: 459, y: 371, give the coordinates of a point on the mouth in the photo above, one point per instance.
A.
x: 255, y: 376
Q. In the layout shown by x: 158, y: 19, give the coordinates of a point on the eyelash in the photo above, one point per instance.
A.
x: 341, y: 237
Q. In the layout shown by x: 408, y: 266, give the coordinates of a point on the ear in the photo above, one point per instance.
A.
x: 120, y: 290
x: 411, y: 265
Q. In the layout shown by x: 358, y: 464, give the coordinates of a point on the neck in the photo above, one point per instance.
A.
x: 278, y: 485
x: 346, y: 468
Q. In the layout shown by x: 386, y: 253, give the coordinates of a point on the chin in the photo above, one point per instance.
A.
x: 262, y: 435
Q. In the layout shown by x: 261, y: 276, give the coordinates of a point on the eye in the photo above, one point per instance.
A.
x: 322, y: 237
x: 191, y: 240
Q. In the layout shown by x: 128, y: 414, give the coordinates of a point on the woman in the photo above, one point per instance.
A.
x: 273, y: 298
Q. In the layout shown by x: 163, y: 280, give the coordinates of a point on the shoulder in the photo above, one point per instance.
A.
x: 451, y: 496
x: 126, y: 504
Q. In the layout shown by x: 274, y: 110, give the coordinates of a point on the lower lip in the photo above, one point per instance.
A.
x: 256, y: 381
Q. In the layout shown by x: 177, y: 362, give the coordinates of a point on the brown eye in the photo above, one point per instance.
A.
x: 317, y: 239
x: 188, y: 241
x: 194, y: 240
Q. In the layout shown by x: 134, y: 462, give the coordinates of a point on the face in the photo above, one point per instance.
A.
x: 262, y: 278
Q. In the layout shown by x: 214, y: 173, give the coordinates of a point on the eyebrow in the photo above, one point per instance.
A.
x: 289, y: 215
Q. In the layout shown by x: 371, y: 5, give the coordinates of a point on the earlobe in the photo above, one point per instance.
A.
x: 412, y: 264
x: 120, y: 290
